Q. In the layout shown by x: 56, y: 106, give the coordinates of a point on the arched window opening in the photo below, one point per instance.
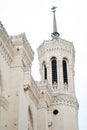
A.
x: 65, y: 77
x: 45, y: 72
x: 54, y: 70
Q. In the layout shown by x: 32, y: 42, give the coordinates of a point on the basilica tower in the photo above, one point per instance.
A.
x: 56, y: 61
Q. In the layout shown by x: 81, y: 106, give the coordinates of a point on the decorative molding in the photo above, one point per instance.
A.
x: 6, y: 46
x: 65, y: 99
x: 3, y: 29
x: 56, y: 45
x: 5, y: 54
x: 3, y: 102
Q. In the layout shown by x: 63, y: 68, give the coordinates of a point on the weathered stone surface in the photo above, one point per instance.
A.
x: 29, y: 105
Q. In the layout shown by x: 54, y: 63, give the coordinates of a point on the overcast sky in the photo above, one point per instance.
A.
x: 34, y: 17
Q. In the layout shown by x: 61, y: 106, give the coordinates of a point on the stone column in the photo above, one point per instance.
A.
x: 42, y: 113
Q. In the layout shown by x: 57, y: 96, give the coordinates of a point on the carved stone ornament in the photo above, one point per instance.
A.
x: 64, y: 99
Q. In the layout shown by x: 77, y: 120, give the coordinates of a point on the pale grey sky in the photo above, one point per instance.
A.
x: 34, y: 17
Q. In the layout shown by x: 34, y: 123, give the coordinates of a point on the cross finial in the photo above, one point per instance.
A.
x: 55, y: 34
x: 54, y: 8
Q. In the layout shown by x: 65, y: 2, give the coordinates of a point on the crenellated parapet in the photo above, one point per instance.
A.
x: 6, y: 46
x: 24, y: 49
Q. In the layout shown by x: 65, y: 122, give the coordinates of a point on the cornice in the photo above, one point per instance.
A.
x: 58, y: 41
x: 3, y: 30
x: 65, y: 99
x: 5, y: 54
x: 6, y: 46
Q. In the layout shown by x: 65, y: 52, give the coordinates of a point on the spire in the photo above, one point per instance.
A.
x: 55, y: 34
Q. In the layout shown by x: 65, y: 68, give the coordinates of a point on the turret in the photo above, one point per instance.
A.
x: 56, y: 61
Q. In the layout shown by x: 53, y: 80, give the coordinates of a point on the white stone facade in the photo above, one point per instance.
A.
x: 29, y: 105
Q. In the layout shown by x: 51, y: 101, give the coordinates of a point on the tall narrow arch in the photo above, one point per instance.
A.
x: 54, y: 70
x: 65, y: 76
x: 45, y: 70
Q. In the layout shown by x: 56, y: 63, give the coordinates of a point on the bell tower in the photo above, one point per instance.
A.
x: 56, y: 61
